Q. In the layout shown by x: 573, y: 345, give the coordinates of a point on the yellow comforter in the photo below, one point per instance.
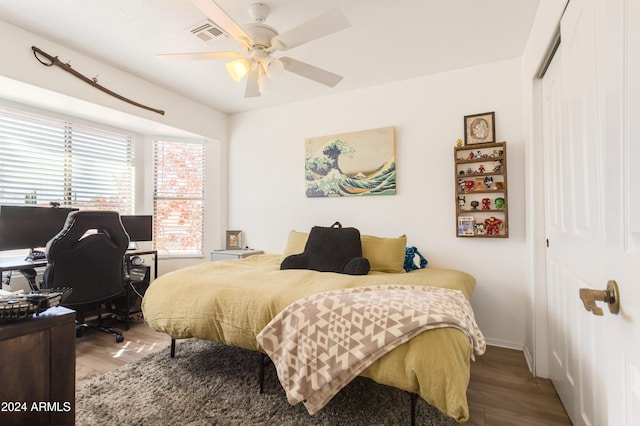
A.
x: 232, y: 301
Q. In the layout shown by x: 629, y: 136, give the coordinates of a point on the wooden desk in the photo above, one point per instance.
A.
x: 22, y: 264
x: 135, y: 252
x: 17, y: 263
x: 129, y: 305
x: 38, y: 369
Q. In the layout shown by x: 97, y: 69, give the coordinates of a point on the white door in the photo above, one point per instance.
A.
x: 622, y: 68
x: 590, y: 93
x: 560, y: 287
x: 574, y: 190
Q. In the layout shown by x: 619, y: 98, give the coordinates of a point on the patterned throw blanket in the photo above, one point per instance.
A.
x: 322, y: 342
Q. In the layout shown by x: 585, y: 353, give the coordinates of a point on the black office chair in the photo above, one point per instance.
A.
x: 87, y: 256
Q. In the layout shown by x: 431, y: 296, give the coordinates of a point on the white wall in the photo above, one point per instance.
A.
x: 267, y: 193
x: 20, y: 65
x: 267, y: 161
x: 25, y: 80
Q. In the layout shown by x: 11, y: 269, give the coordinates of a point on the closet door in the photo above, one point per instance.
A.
x: 591, y: 95
x: 621, y: 56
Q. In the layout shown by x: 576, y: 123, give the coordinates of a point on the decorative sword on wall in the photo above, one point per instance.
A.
x: 53, y: 60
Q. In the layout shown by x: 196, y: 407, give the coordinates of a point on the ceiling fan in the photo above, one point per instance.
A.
x: 260, y: 40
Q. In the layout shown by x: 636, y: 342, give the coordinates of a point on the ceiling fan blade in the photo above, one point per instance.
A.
x: 253, y: 88
x: 214, y: 12
x: 309, y: 71
x: 199, y: 55
x: 320, y: 26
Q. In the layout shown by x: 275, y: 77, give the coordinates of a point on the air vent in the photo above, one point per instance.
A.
x: 208, y: 32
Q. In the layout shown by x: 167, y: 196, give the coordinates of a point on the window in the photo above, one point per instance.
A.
x: 47, y: 160
x: 178, y: 201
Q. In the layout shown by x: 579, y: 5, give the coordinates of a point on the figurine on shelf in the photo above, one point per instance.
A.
x: 469, y: 171
x: 459, y: 143
x: 479, y: 228
x: 499, y: 202
x: 497, y: 166
x: 461, y: 172
x: 492, y: 225
x: 470, y: 185
x: 470, y: 157
x: 474, y: 205
x: 462, y: 184
x: 486, y: 204
x: 478, y: 154
x: 479, y: 184
x: 461, y: 201
x: 488, y: 182
x: 480, y: 169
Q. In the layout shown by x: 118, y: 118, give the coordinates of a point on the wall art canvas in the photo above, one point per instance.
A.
x: 351, y: 164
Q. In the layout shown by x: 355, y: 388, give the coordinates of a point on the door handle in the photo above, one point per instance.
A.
x: 611, y: 296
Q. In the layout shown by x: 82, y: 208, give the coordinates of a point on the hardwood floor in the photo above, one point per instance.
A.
x: 502, y: 390
x: 98, y: 353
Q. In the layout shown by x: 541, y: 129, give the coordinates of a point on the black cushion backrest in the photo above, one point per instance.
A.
x: 331, y: 249
x: 88, y: 262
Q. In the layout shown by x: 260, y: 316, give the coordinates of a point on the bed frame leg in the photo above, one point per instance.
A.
x: 262, y: 361
x: 414, y: 401
x: 173, y: 348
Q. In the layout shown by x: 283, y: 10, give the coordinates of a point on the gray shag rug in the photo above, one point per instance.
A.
x: 212, y: 384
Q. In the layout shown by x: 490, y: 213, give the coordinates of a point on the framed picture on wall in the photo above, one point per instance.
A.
x: 479, y: 128
x: 234, y: 240
x: 357, y: 164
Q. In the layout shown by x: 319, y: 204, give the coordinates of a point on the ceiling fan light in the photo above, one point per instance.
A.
x: 238, y: 69
x: 273, y: 67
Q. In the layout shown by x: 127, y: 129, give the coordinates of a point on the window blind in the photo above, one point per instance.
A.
x: 45, y: 160
x: 178, y: 198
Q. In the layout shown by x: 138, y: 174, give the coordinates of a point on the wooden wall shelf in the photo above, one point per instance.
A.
x: 481, y: 181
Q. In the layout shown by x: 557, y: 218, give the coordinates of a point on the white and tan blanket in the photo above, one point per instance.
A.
x: 321, y: 342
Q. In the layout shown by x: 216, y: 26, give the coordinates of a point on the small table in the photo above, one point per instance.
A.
x: 232, y: 254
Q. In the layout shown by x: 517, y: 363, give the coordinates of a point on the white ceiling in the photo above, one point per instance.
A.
x: 387, y: 41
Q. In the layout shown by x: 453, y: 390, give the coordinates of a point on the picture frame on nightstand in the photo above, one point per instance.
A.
x: 234, y: 240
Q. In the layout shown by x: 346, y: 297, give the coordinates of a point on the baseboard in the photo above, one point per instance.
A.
x: 529, y: 359
x: 515, y: 346
x: 505, y: 344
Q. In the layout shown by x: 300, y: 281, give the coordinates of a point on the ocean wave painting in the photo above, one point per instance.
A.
x: 351, y: 164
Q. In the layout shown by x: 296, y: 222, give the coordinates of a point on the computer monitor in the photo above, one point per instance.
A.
x: 139, y: 227
x: 30, y: 227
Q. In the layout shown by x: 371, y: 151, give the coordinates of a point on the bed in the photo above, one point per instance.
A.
x: 231, y: 301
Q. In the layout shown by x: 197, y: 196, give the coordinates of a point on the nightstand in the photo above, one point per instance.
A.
x: 232, y: 254
x: 38, y: 366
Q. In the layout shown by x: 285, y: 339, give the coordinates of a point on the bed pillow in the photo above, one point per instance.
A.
x: 384, y: 254
x: 295, y: 243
